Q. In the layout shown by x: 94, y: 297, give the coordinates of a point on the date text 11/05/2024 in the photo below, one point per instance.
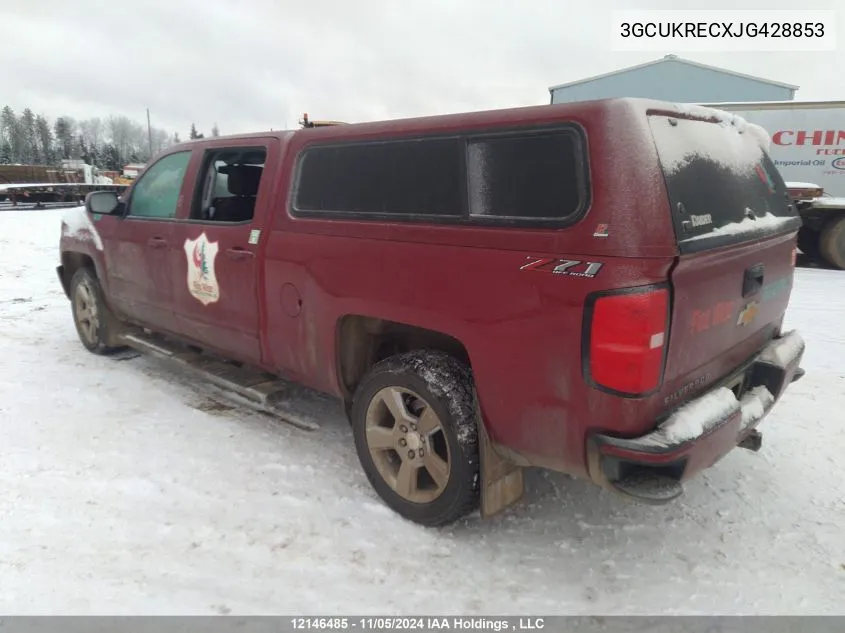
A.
x: 432, y: 623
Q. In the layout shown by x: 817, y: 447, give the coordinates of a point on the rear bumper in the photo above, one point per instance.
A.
x: 652, y: 467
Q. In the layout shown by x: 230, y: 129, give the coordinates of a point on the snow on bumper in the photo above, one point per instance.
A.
x: 701, y: 432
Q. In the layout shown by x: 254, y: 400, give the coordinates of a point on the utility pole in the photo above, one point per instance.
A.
x: 149, y: 134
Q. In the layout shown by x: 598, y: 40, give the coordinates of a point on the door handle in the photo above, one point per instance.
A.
x: 238, y: 253
x: 157, y: 242
x: 752, y: 283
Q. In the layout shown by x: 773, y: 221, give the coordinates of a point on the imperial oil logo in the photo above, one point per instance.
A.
x: 838, y: 163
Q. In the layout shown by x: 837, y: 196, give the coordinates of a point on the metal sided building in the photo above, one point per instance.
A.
x: 677, y: 80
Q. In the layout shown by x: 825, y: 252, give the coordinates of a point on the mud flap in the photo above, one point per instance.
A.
x: 115, y: 328
x: 502, y: 482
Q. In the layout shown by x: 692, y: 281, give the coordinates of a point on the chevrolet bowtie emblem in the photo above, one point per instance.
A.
x: 748, y: 314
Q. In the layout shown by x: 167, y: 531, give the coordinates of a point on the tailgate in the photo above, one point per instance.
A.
x: 735, y: 230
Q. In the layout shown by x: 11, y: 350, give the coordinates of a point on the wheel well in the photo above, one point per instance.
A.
x: 364, y: 341
x: 71, y: 262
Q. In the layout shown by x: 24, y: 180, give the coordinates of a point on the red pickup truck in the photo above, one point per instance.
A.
x: 594, y: 288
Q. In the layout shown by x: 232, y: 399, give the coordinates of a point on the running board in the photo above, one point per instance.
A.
x: 252, y: 388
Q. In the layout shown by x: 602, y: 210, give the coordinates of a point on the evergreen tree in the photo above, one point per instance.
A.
x: 82, y: 151
x: 64, y: 137
x: 45, y: 140
x: 11, y: 131
x: 111, y: 158
x: 5, y: 153
x: 94, y: 155
x: 30, y: 154
x: 194, y: 134
x: 91, y: 136
x: 31, y: 139
x: 215, y: 131
x: 203, y: 262
x: 176, y: 139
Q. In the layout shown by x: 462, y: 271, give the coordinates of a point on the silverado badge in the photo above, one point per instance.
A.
x: 202, y: 282
x: 748, y: 314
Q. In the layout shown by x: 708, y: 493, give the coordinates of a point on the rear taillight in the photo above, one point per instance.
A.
x: 628, y: 333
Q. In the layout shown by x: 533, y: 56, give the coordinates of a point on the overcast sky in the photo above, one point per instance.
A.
x: 258, y: 64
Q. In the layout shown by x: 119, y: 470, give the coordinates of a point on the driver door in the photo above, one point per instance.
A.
x: 138, y: 254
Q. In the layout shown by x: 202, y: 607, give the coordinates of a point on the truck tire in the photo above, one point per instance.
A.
x: 832, y: 243
x: 95, y: 324
x: 808, y: 242
x: 416, y: 434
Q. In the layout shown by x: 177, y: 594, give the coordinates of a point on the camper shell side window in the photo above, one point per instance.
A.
x: 511, y: 177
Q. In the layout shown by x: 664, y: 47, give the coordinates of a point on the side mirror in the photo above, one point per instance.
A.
x: 102, y: 202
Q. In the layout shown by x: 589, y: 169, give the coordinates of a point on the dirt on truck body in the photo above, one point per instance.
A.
x: 594, y: 288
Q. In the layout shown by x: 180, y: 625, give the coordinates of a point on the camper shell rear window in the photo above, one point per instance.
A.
x: 723, y: 187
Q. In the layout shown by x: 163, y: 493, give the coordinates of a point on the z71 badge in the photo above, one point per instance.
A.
x: 568, y: 267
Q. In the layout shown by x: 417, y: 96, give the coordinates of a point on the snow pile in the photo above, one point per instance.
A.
x: 729, y: 119
x: 755, y: 403
x: 747, y: 225
x: 147, y: 497
x: 715, y: 114
x: 830, y: 202
x: 707, y: 412
x: 437, y: 373
x: 792, y: 344
x: 25, y: 185
x: 722, y: 139
x: 801, y: 185
x: 761, y: 134
x: 76, y: 223
x: 699, y: 416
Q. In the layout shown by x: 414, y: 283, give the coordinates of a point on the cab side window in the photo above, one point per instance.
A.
x: 229, y: 181
x: 157, y: 192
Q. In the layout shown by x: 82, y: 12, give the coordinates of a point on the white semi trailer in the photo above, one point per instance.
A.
x: 808, y: 148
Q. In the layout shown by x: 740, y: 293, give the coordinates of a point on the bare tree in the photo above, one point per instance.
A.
x: 92, y: 132
x: 161, y: 140
x: 121, y: 133
x: 111, y: 143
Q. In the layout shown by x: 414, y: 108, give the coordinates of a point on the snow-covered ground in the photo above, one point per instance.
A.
x: 124, y: 489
